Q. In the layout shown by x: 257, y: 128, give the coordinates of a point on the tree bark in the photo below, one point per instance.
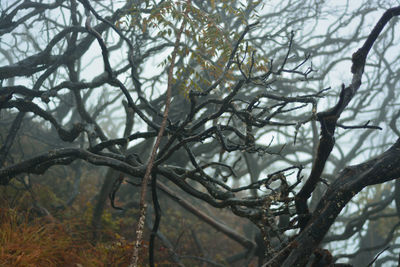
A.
x: 348, y: 183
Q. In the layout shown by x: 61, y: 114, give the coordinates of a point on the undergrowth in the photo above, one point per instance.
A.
x: 37, y: 242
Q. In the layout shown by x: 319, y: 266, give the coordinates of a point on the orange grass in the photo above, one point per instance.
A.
x: 37, y: 243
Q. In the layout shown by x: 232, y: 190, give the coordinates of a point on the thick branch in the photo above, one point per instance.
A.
x: 349, y: 182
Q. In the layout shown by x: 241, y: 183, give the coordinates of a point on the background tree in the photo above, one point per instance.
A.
x: 258, y: 122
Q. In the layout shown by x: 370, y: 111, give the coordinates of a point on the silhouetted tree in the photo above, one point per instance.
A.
x: 224, y: 102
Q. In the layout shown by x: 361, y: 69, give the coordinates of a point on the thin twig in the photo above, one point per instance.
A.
x: 377, y: 256
x: 146, y: 178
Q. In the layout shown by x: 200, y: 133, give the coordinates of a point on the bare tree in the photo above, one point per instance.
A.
x: 251, y: 122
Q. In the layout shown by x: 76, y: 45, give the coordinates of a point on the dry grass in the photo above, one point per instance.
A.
x: 25, y: 242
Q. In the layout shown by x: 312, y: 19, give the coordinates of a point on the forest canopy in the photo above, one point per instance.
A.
x: 199, y: 133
